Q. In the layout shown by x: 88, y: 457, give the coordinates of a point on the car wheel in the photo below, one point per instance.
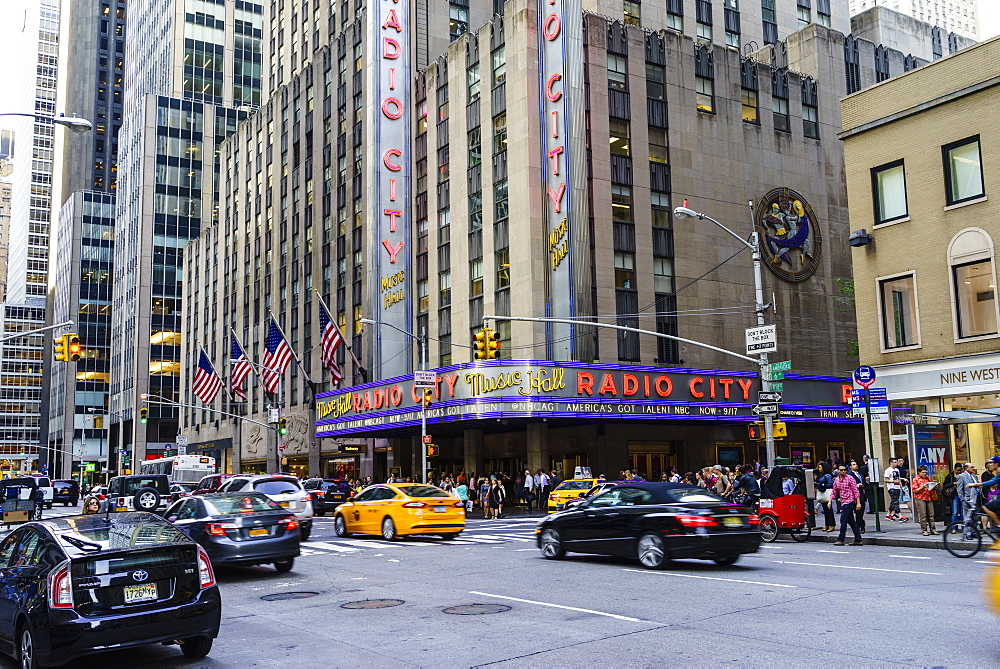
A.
x: 26, y: 649
x: 552, y: 545
x: 305, y: 531
x: 651, y: 552
x: 320, y: 512
x: 284, y: 567
x: 801, y: 535
x: 48, y: 505
x: 196, y: 647
x: 389, y: 529
x: 340, y: 526
x: 726, y: 560
x: 65, y: 503
x: 146, y: 499
x: 450, y: 536
x: 768, y: 528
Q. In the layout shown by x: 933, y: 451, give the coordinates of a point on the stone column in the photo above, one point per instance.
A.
x: 538, y: 446
x: 473, y: 449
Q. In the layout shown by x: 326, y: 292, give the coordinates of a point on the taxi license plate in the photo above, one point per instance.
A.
x: 284, y: 504
x: 732, y: 522
x: 258, y: 532
x: 140, y: 593
x: 440, y: 509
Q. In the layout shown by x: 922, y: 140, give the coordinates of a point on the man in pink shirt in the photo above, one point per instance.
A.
x: 845, y: 490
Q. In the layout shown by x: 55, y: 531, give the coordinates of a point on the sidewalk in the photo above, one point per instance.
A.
x: 904, y: 535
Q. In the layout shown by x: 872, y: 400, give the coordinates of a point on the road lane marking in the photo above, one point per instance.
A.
x: 567, y: 608
x: 910, y: 557
x: 522, y: 550
x: 324, y: 545
x: 837, y: 552
x: 841, y: 566
x: 709, y: 578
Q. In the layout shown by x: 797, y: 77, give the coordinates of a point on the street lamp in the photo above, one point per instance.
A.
x: 422, y: 343
x: 73, y: 123
x: 754, y: 245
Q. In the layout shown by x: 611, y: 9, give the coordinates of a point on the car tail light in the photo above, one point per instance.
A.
x: 121, y: 501
x: 754, y: 519
x: 319, y: 493
x: 308, y: 497
x: 553, y: 498
x: 697, y: 521
x: 460, y: 504
x: 289, y: 523
x: 101, y: 497
x: 206, y: 576
x: 414, y: 505
x: 219, y: 529
x: 61, y: 587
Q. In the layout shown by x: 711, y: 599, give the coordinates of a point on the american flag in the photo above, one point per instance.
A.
x: 277, y: 355
x: 331, y: 340
x: 241, y: 369
x: 206, y: 382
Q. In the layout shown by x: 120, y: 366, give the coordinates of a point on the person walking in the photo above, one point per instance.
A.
x: 462, y: 491
x: 496, y: 497
x: 953, y: 503
x: 484, y: 491
x: 824, y: 486
x: 895, y: 487
x: 922, y: 501
x: 855, y: 471
x: 542, y: 489
x: 529, y: 489
x: 966, y: 490
x: 845, y: 491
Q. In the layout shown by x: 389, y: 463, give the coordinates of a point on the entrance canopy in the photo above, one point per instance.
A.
x: 987, y: 415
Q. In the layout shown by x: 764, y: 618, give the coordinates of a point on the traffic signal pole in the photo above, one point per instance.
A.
x: 18, y: 335
x: 422, y: 341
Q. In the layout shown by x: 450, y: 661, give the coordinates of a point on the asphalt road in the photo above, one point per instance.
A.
x: 791, y: 604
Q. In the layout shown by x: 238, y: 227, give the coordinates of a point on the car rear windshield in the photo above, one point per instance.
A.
x: 693, y: 495
x: 574, y: 485
x: 342, y: 486
x: 132, y: 485
x: 424, y: 491
x: 277, y: 486
x: 240, y: 504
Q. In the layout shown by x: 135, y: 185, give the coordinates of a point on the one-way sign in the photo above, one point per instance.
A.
x: 769, y: 397
x: 765, y: 409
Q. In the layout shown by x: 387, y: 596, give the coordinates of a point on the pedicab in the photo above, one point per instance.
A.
x: 18, y: 495
x: 780, y: 512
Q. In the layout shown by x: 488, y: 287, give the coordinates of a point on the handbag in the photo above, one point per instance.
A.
x: 824, y: 497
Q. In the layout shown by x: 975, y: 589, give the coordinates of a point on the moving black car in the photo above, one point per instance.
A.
x: 243, y: 528
x: 67, y: 492
x: 653, y: 522
x: 71, y: 587
x: 328, y: 494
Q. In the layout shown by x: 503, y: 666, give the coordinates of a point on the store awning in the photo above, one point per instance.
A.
x: 988, y: 415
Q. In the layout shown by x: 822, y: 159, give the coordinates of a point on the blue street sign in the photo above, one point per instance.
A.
x: 864, y: 376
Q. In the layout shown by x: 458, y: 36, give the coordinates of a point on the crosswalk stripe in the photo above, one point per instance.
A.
x: 497, y: 536
x: 327, y: 546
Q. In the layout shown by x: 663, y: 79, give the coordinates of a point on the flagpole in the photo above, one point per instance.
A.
x: 350, y: 349
x: 237, y: 458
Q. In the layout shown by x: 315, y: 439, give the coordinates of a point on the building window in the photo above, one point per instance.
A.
x: 750, y: 106
x: 769, y: 20
x: 444, y: 347
x: 731, y: 15
x: 963, y: 170
x: 500, y: 133
x: 423, y: 300
x: 476, y: 277
x: 633, y: 13
x: 621, y: 204
x: 663, y: 275
x: 675, y: 15
x: 444, y: 288
x: 617, y: 72
x: 656, y: 82
x: 703, y: 16
x: 889, y: 192
x: 704, y: 83
x: 459, y: 24
x: 661, y: 210
x: 499, y: 66
x: 625, y: 271
x: 804, y: 13
x: 618, y: 136
x: 975, y: 299
x: 443, y: 164
x: 823, y: 13
x: 442, y: 103
x: 780, y: 108
x: 657, y: 145
x: 500, y: 200
x: 475, y: 147
x: 472, y: 79
x: 898, y: 297
x: 502, y: 259
x: 476, y: 210
x: 810, y: 121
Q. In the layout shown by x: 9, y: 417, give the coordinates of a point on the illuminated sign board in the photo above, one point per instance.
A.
x: 388, y: 126
x: 524, y: 388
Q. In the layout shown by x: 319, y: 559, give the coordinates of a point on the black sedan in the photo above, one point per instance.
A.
x: 653, y: 522
x: 244, y: 528
x: 71, y: 587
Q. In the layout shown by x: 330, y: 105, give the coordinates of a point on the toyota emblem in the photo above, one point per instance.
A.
x: 140, y: 575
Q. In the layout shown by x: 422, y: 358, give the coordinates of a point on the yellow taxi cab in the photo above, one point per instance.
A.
x: 567, y: 490
x: 397, y: 510
x: 991, y: 579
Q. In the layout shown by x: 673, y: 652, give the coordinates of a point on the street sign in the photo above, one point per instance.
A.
x: 777, y: 386
x: 878, y: 402
x: 427, y: 439
x: 281, y: 447
x: 424, y: 379
x: 783, y: 366
x: 775, y: 376
x: 123, y: 452
x: 769, y: 397
x: 762, y: 339
x: 182, y: 440
x: 89, y: 467
x: 765, y: 409
x: 181, y: 448
x: 273, y: 415
x: 864, y: 376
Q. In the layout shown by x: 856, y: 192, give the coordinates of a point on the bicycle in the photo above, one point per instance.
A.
x: 965, y: 541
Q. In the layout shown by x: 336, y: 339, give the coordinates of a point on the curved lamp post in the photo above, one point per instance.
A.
x: 73, y: 123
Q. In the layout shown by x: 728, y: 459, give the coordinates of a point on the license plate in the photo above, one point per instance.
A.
x: 258, y: 532
x: 284, y: 504
x: 121, y: 508
x: 440, y: 509
x: 732, y: 522
x: 140, y: 593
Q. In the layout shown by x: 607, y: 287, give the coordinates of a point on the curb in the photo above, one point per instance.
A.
x: 871, y: 539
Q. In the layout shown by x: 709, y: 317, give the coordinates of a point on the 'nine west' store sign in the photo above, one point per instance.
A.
x: 520, y: 388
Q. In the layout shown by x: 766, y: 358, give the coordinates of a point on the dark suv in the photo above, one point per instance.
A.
x: 67, y: 492
x: 71, y: 587
x: 328, y: 494
x: 148, y: 492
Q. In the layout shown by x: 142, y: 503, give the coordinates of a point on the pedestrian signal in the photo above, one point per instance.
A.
x: 433, y: 450
x: 780, y: 430
x: 756, y: 431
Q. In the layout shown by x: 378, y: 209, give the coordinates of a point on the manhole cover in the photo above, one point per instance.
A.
x: 476, y: 609
x: 372, y: 604
x: 288, y: 595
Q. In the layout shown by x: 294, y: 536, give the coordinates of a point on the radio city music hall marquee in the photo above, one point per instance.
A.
x: 518, y: 388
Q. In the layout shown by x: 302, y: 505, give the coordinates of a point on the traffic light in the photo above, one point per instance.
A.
x: 61, y: 348
x: 755, y: 431
x: 433, y: 450
x: 282, y: 426
x: 492, y: 345
x: 428, y: 397
x: 143, y: 415
x: 479, y: 345
x: 780, y: 430
x: 73, y: 347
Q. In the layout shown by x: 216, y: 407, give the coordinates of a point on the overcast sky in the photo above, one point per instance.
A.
x: 989, y: 18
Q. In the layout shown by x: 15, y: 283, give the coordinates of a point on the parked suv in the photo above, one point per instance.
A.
x: 284, y: 489
x: 150, y: 492
x: 328, y: 494
x: 67, y: 492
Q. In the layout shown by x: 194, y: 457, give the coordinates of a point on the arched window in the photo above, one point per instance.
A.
x: 973, y: 278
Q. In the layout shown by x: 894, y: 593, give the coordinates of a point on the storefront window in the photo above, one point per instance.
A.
x: 975, y: 297
x: 802, y: 452
x: 729, y: 453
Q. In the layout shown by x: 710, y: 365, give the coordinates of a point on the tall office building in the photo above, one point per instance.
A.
x: 192, y: 71
x: 20, y: 387
x: 956, y: 16
x: 5, y: 199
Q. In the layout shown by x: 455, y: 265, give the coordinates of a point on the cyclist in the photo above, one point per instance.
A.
x: 747, y: 482
x: 992, y: 508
